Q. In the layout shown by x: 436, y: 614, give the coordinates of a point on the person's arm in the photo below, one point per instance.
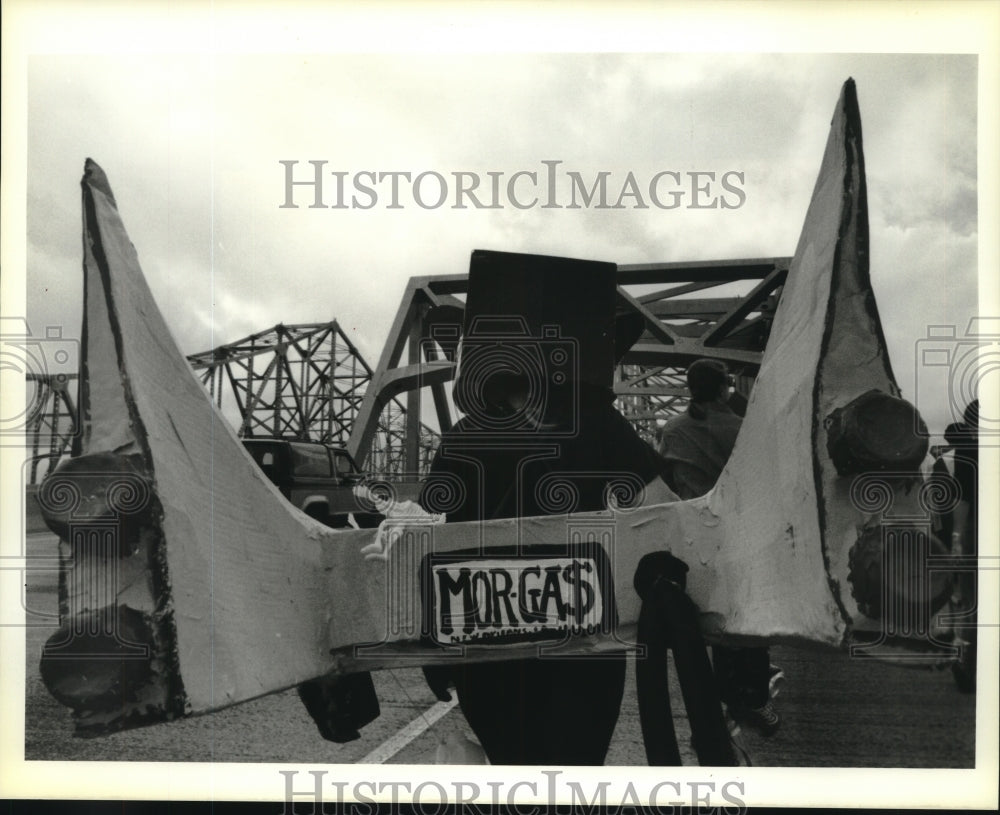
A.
x: 643, y: 459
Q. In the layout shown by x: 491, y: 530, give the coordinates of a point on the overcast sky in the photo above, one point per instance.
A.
x: 192, y: 146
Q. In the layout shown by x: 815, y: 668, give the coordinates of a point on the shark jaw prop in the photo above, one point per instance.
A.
x: 188, y: 583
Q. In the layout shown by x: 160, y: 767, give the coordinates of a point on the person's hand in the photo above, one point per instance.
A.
x: 392, y: 529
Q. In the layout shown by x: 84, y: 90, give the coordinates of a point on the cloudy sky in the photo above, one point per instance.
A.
x: 192, y: 145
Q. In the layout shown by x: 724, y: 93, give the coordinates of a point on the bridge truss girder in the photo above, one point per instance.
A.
x: 732, y: 326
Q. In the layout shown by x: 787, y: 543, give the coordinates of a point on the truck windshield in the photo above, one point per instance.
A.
x: 310, y: 460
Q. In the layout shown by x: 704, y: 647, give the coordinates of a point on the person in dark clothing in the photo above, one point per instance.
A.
x: 696, y: 446
x: 540, y: 436
x: 543, y: 711
x: 963, y: 438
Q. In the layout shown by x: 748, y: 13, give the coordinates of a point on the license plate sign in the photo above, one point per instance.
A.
x: 486, y: 600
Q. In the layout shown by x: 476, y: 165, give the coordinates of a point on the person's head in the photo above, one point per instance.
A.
x: 966, y: 432
x: 708, y: 381
x: 954, y: 434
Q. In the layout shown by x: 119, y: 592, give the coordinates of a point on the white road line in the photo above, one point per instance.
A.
x: 401, y: 738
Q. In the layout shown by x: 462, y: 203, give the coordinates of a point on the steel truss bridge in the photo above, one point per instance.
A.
x: 679, y: 328
x: 309, y: 381
x: 52, y: 421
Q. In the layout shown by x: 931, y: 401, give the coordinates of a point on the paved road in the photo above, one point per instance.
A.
x: 837, y: 712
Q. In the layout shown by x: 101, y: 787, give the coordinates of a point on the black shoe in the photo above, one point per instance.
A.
x: 765, y: 719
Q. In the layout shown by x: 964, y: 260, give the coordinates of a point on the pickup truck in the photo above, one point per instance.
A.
x: 317, y: 478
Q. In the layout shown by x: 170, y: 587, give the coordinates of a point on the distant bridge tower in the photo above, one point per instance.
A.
x: 52, y: 420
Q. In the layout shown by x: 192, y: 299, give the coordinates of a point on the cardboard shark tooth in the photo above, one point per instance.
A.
x: 189, y: 583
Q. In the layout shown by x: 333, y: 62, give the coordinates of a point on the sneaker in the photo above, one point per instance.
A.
x: 776, y: 681
x: 765, y: 720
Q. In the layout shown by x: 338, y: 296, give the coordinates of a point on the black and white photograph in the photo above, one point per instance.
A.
x: 533, y: 404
